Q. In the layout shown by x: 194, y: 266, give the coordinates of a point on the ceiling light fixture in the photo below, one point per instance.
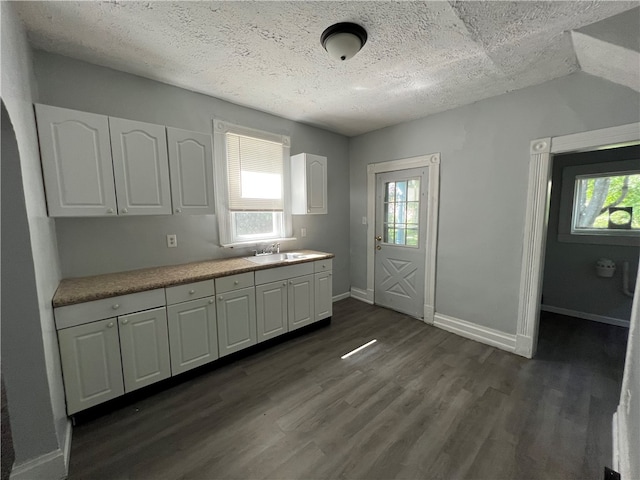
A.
x: 343, y: 40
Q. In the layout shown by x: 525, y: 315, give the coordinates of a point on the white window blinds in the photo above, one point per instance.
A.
x: 255, y: 173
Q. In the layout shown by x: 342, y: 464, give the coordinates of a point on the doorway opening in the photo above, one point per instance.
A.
x: 537, y: 216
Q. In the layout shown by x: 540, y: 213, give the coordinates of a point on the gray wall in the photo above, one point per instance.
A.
x: 483, y: 183
x: 30, y: 269
x: 93, y: 246
x: 570, y: 281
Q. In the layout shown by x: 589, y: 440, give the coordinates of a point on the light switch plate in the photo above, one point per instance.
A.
x: 303, y: 232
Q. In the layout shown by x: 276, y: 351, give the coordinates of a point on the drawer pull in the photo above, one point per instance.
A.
x: 191, y: 292
x: 284, y: 284
x: 124, y: 210
x: 110, y: 210
x: 236, y: 282
x: 110, y: 325
x: 220, y: 297
x: 116, y: 306
x: 125, y: 321
x: 211, y: 301
x: 178, y: 210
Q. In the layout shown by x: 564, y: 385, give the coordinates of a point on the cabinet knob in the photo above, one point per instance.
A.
x: 290, y: 282
x: 178, y: 210
x: 124, y: 210
x: 125, y: 321
x: 191, y: 292
x: 330, y: 274
x: 211, y: 301
x: 110, y: 325
x: 324, y: 266
x: 236, y: 282
x: 220, y: 297
x: 116, y: 306
x: 284, y: 284
x: 110, y: 210
x: 308, y: 210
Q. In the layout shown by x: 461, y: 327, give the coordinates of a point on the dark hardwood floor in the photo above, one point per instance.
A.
x: 421, y: 403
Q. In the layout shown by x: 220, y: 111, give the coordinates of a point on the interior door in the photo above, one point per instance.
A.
x: 401, y: 214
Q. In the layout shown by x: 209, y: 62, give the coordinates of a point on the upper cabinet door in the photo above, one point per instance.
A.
x: 76, y: 162
x: 141, y: 167
x: 309, y: 184
x: 191, y: 163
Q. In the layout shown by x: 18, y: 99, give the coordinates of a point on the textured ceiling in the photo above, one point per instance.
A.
x: 421, y: 57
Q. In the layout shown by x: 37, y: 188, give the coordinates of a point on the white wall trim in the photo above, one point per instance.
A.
x: 619, y: 322
x: 537, y: 214
x: 486, y: 335
x: 615, y: 433
x: 48, y: 466
x: 362, y: 295
x: 342, y: 296
x: 432, y: 162
x: 66, y: 452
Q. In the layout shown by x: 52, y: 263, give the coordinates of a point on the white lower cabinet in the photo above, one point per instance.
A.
x: 323, y: 286
x: 193, y: 334
x: 301, y: 302
x: 90, y: 356
x: 236, y: 312
x: 144, y: 346
x: 271, y: 310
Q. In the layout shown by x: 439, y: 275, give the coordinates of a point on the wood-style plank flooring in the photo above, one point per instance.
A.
x: 421, y: 403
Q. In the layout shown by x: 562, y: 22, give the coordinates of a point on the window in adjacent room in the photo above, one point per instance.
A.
x: 252, y: 184
x: 607, y: 204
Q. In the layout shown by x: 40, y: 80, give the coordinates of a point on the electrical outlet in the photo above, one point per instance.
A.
x: 364, y: 220
x: 172, y: 241
x: 303, y: 232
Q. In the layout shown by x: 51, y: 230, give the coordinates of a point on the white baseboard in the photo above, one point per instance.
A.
x: 524, y: 346
x: 342, y: 296
x: 50, y: 466
x: 361, y: 295
x: 429, y: 312
x: 486, y: 335
x: 619, y: 322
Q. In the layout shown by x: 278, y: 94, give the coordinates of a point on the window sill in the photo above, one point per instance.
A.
x: 254, y: 243
x: 627, y: 241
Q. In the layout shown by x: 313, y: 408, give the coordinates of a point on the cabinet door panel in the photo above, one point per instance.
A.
x: 301, y: 302
x: 141, y: 167
x: 317, y: 184
x: 271, y: 310
x: 323, y: 295
x: 191, y: 163
x: 193, y: 334
x: 90, y: 356
x: 236, y: 313
x: 76, y: 162
x: 144, y: 344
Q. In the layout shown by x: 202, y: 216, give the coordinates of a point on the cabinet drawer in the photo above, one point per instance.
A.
x: 234, y: 282
x: 323, y: 265
x: 190, y: 291
x: 282, y: 273
x: 81, y: 313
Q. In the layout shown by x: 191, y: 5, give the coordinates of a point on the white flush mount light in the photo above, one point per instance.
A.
x: 343, y: 40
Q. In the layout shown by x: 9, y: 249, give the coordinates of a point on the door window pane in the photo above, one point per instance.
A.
x: 402, y: 212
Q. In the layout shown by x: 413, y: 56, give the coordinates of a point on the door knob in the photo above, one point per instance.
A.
x: 379, y: 238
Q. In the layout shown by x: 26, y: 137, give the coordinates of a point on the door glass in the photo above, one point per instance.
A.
x: 401, y: 207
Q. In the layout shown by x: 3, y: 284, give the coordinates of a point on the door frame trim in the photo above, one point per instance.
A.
x: 541, y: 152
x: 432, y: 162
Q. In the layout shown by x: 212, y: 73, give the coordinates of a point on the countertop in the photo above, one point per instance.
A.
x: 85, y: 289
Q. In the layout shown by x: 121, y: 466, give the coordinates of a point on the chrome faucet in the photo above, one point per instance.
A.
x: 273, y: 248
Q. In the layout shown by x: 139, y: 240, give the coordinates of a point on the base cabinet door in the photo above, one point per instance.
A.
x: 91, y: 366
x: 236, y: 311
x: 193, y: 334
x: 301, y: 302
x: 323, y: 295
x: 144, y: 345
x: 271, y: 310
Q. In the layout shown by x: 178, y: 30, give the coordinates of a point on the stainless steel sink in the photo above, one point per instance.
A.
x: 281, y: 257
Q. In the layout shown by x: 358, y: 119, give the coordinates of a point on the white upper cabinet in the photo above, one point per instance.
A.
x: 76, y: 162
x: 140, y: 167
x: 191, y: 163
x: 308, y: 184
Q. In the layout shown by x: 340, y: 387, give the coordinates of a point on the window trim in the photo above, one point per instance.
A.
x: 566, y: 231
x: 223, y: 213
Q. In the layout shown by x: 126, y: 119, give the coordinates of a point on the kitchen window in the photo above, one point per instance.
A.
x: 252, y: 184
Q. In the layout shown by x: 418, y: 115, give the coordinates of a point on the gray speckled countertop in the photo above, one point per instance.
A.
x: 85, y: 289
